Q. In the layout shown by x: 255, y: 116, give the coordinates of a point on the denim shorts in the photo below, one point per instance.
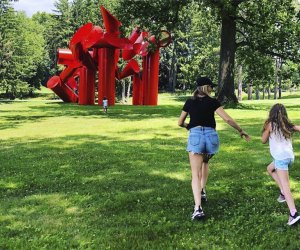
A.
x: 203, y: 140
x: 283, y: 164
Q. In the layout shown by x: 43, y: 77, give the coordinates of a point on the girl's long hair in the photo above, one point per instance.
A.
x: 202, y: 90
x: 279, y: 121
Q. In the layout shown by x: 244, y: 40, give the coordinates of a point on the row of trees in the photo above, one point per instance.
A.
x: 23, y: 61
x: 238, y: 43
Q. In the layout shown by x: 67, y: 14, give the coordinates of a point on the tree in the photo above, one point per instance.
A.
x: 5, y: 5
x: 7, y: 31
x: 21, y: 53
x: 291, y: 73
x: 154, y: 16
x: 259, y: 72
x: 198, y: 45
x: 32, y: 55
x: 59, y: 30
x: 266, y: 26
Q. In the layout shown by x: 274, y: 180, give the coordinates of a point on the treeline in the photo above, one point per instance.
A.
x: 252, y: 46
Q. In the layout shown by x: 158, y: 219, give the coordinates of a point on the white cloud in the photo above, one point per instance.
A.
x: 32, y: 6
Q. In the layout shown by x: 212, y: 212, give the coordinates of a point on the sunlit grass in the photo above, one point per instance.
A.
x: 73, y: 177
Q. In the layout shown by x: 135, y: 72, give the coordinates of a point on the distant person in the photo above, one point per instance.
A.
x: 105, y: 104
x: 203, y: 140
x: 278, y: 129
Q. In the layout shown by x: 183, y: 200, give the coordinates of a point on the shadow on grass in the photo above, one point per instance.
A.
x: 99, y: 192
x: 119, y: 112
x: 260, y: 106
x: 99, y: 186
x: 291, y: 96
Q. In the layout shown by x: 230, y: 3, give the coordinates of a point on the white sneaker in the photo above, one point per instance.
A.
x: 198, y: 214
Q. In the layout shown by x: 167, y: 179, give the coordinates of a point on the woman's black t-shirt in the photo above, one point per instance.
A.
x: 202, y: 111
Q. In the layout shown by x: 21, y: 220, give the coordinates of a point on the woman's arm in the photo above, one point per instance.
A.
x: 222, y: 113
x: 181, y: 120
x: 266, y: 133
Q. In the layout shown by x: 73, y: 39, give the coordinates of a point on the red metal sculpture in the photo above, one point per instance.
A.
x: 92, y: 49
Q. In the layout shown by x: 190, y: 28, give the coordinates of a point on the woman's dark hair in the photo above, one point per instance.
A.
x: 279, y: 121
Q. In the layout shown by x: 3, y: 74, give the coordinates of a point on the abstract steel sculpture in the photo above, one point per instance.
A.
x: 92, y: 49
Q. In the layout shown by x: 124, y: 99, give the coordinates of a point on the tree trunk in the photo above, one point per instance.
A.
x: 250, y: 91
x: 257, y: 93
x: 279, y: 88
x: 276, y: 79
x: 128, y: 90
x: 123, y: 91
x: 264, y: 91
x: 279, y: 61
x: 227, y: 55
x: 240, y: 83
x: 173, y: 69
x: 269, y: 92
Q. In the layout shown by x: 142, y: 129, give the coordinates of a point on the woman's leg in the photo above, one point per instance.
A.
x: 283, y: 176
x: 196, y: 161
x: 204, y: 178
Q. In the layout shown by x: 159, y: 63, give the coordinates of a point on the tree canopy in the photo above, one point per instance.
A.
x: 209, y: 37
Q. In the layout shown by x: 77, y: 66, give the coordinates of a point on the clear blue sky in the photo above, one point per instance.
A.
x: 33, y: 6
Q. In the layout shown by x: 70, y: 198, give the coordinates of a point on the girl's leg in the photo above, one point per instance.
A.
x: 204, y: 178
x: 196, y: 161
x: 283, y: 176
x: 273, y: 173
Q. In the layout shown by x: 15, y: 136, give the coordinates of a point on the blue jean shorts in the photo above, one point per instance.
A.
x: 203, y: 140
x: 283, y: 164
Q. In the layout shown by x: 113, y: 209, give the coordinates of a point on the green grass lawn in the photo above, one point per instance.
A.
x: 75, y: 178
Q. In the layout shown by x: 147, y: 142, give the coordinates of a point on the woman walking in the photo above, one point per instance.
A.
x: 203, y: 140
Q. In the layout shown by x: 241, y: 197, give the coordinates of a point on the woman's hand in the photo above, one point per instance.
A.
x: 244, y: 134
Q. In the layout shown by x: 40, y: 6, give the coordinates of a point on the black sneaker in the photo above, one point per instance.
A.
x: 293, y: 219
x: 198, y: 214
x: 203, y: 196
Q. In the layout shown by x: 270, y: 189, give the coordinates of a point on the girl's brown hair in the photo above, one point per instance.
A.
x: 279, y: 121
x: 202, y: 90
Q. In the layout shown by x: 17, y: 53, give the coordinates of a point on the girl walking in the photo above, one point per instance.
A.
x: 278, y: 129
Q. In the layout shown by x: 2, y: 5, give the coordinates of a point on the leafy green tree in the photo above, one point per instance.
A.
x: 258, y: 72
x: 84, y: 11
x: 154, y: 16
x: 47, y: 66
x: 31, y: 52
x: 266, y: 26
x: 198, y: 50
x: 5, y: 5
x: 21, y: 52
x: 7, y: 64
x: 290, y: 75
x: 59, y: 30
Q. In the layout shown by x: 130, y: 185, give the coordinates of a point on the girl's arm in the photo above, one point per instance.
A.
x: 296, y: 128
x: 266, y: 133
x: 181, y: 120
x: 221, y: 112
